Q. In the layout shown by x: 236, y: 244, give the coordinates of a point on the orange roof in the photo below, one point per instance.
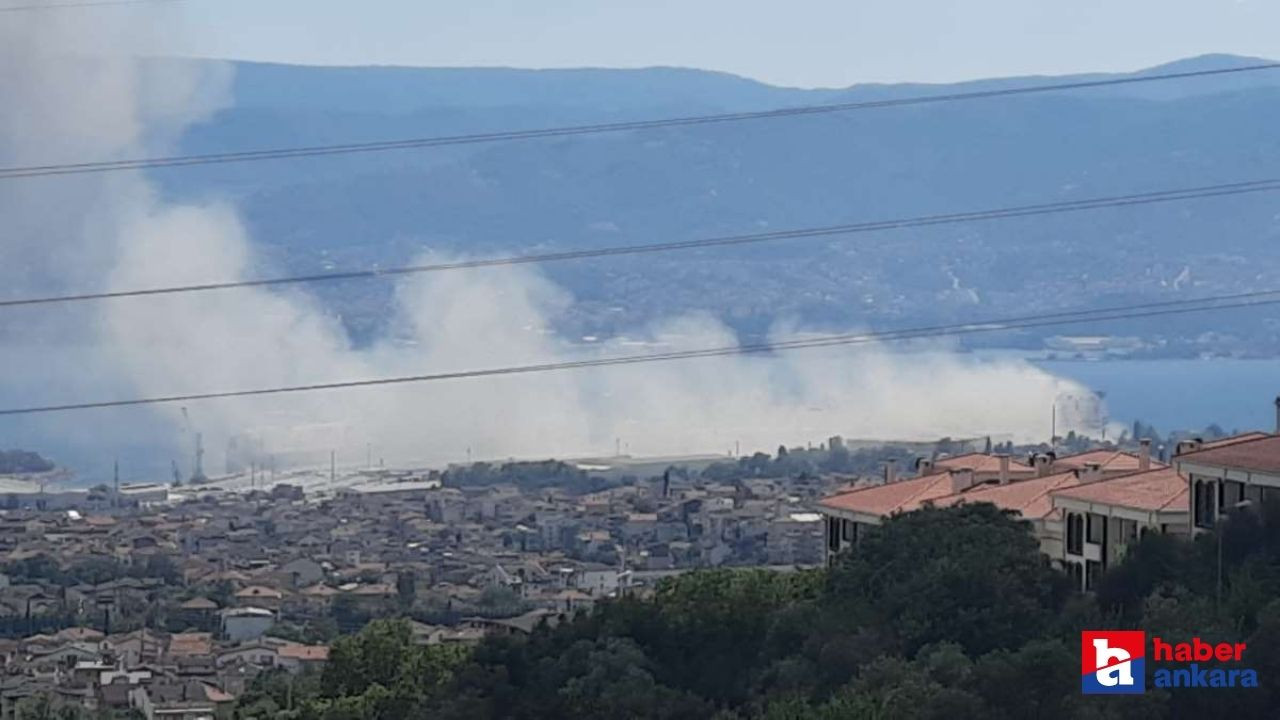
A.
x: 979, y: 463
x: 304, y: 652
x: 1110, y: 460
x: 1260, y: 454
x: 1233, y: 439
x: 255, y: 591
x: 1153, y: 491
x: 186, y: 644
x: 894, y: 497
x: 199, y: 603
x: 1029, y: 498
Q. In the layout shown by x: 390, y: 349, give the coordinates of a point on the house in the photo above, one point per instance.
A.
x: 849, y: 514
x: 373, y: 595
x: 198, y: 612
x: 189, y: 644
x: 259, y: 596
x: 246, y: 623
x: 985, y: 468
x: 177, y: 700
x: 997, y: 479
x: 295, y: 657
x: 1101, y: 519
x: 302, y: 572
x: 523, y: 624
x: 1112, y: 463
x: 318, y: 596
x: 135, y: 648
x: 1227, y: 474
x: 259, y: 653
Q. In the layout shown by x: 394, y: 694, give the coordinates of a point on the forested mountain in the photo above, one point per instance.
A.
x: 691, y: 182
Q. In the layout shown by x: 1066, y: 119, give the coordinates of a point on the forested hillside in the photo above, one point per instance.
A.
x: 691, y: 182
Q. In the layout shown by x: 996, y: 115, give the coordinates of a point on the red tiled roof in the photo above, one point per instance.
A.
x: 1110, y: 460
x: 1029, y: 498
x: 295, y: 651
x: 1261, y: 455
x: 256, y: 591
x: 186, y: 644
x: 887, y: 499
x: 979, y: 463
x: 1232, y: 440
x: 1153, y: 491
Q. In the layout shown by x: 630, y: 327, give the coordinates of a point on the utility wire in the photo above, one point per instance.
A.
x: 1126, y: 312
x: 35, y: 7
x: 440, y: 141
x: 1147, y: 198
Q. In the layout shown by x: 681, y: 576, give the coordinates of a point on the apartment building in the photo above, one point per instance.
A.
x: 1022, y: 487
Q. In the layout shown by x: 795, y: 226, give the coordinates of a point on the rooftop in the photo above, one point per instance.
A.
x: 979, y: 463
x: 1029, y: 498
x: 892, y: 497
x: 1258, y: 455
x: 1110, y: 460
x: 1154, y: 491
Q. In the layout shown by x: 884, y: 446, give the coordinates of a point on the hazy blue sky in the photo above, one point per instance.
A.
x: 796, y: 42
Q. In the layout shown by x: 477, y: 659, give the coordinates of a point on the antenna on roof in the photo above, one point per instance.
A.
x: 1053, y: 427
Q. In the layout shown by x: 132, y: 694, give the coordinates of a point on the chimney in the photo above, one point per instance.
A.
x: 1187, y: 446
x: 1004, y: 469
x: 1092, y: 472
x: 1278, y: 414
x: 1144, y: 455
x: 890, y: 471
x: 961, y: 480
x: 924, y: 466
x: 1042, y: 463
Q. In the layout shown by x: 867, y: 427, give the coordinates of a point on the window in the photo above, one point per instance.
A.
x: 833, y: 534
x: 1128, y: 530
x: 1270, y: 495
x: 1096, y: 529
x: 1075, y: 534
x: 848, y: 531
x: 1076, y: 571
x: 1203, y: 505
x: 1092, y: 572
x: 1231, y: 494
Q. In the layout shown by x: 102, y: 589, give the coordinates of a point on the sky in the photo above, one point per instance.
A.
x: 805, y: 43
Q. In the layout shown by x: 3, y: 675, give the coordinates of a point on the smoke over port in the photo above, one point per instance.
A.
x: 85, y: 95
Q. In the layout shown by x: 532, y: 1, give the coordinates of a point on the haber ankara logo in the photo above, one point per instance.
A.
x: 1113, y: 662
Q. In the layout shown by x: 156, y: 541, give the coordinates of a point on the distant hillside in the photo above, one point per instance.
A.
x: 690, y: 182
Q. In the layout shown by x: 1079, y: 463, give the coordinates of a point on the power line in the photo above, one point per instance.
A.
x: 1126, y: 312
x: 1147, y: 198
x: 448, y: 140
x: 85, y: 4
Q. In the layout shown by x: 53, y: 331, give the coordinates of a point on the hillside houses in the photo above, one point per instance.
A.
x: 1086, y: 508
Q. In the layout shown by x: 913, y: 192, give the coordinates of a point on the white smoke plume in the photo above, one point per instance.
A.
x: 118, y: 232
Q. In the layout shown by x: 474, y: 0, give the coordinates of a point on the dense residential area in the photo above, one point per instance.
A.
x: 172, y: 600
x: 716, y: 360
x: 199, y: 600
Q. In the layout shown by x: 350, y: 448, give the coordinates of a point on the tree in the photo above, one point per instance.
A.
x: 987, y: 585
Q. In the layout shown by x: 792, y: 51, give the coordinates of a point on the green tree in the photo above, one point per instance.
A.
x: 970, y: 574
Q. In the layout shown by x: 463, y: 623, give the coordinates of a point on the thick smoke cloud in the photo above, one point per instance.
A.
x: 116, y: 231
